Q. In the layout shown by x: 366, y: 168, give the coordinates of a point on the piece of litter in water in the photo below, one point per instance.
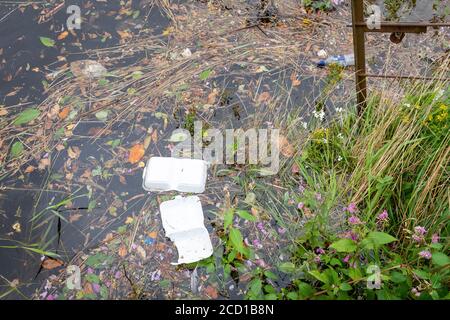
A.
x: 185, y: 175
x: 182, y: 220
x: 149, y: 241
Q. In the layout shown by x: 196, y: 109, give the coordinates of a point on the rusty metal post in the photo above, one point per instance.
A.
x: 360, y: 54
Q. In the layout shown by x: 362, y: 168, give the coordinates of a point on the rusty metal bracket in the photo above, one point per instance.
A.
x: 397, y: 30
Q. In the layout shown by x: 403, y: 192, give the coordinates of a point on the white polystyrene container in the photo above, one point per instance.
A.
x: 183, y: 222
x: 185, y: 175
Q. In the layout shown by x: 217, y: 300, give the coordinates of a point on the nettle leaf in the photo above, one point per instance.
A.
x: 17, y: 149
x: 137, y: 75
x: 47, y: 41
x: 440, y: 259
x: 205, y: 74
x: 102, y: 115
x: 237, y: 240
x: 319, y: 276
x: 244, y: 214
x: 380, y: 238
x: 345, y: 287
x: 26, y: 116
x: 287, y: 267
x: 344, y: 245
x: 228, y: 218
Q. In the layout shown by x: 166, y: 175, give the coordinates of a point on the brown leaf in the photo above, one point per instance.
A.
x: 212, y: 97
x: 73, y: 152
x: 295, y: 81
x: 264, y: 97
x: 29, y: 169
x: 123, y: 251
x: 50, y: 263
x: 136, y: 153
x: 75, y: 217
x: 211, y: 292
x: 155, y: 136
x: 286, y: 148
x: 63, y: 35
x: 122, y: 180
x: 3, y: 111
x: 88, y: 288
x: 44, y: 163
x: 64, y: 113
x: 141, y: 252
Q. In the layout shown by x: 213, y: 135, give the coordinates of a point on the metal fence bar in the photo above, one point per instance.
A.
x: 360, y: 28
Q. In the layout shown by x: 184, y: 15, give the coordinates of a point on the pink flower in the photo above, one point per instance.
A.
x: 346, y: 259
x: 418, y: 239
x: 383, y: 216
x: 282, y: 230
x: 261, y: 263
x: 317, y: 259
x: 300, y: 205
x: 420, y: 230
x: 118, y: 275
x: 337, y: 2
x: 90, y: 270
x: 351, y: 208
x: 354, y: 220
x: 435, y: 238
x: 350, y: 235
x: 318, y: 196
x: 320, y: 251
x: 257, y: 243
x: 301, y: 189
x: 50, y: 297
x: 425, y: 254
x: 96, y: 287
x: 415, y: 292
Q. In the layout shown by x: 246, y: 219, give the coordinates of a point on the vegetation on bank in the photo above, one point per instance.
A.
x: 372, y: 196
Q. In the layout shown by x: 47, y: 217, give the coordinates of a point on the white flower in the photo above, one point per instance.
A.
x: 305, y: 125
x: 319, y: 114
x: 325, y: 140
x: 339, y: 110
x: 340, y: 135
x: 339, y: 158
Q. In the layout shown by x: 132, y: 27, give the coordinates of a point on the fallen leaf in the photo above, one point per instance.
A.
x: 295, y: 81
x: 88, y: 288
x: 3, y: 112
x: 212, y: 97
x: 264, y: 97
x: 153, y: 234
x: 129, y: 220
x: 75, y: 217
x: 211, y: 292
x: 141, y: 252
x: 286, y: 148
x: 63, y: 35
x: 16, y: 227
x: 73, y: 152
x: 51, y: 263
x: 136, y: 153
x: 30, y: 169
x: 123, y: 251
x: 44, y: 163
x: 64, y: 113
